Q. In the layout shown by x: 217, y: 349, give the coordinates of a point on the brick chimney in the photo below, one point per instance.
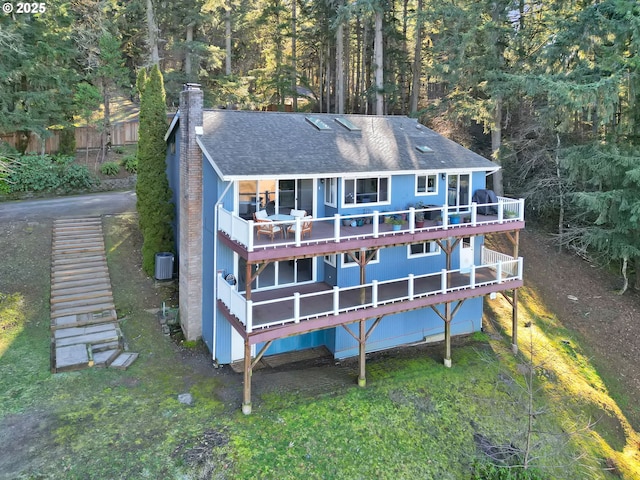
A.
x: 190, y: 213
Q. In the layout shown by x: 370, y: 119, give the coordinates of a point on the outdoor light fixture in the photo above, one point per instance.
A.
x: 443, y: 176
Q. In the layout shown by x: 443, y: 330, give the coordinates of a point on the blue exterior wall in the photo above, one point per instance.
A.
x: 394, y: 330
x: 410, y: 327
x: 173, y: 176
x: 209, y: 197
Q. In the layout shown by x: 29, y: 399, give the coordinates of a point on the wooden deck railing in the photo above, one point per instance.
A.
x: 300, y: 307
x: 332, y: 229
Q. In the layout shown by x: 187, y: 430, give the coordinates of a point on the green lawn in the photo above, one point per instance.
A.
x: 415, y: 418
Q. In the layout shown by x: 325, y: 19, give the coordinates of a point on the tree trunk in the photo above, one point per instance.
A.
x: 106, y: 146
x: 355, y: 107
x: 405, y: 53
x: 560, y: 192
x: 152, y: 35
x: 340, y: 68
x: 294, y: 68
x: 227, y: 37
x: 327, y: 79
x: 379, y: 64
x: 625, y: 277
x: 187, y: 53
x: 417, y: 62
x: 496, y: 142
x: 636, y: 262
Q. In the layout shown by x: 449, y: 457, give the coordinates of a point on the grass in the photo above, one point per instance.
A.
x: 415, y: 418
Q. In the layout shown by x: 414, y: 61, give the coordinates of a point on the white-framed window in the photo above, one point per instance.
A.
x: 366, y: 191
x: 347, y: 261
x: 331, y: 192
x: 427, y: 184
x: 330, y: 259
x: 422, y: 249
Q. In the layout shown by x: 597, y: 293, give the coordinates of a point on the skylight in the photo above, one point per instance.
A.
x: 347, y: 124
x: 316, y: 122
x: 424, y: 149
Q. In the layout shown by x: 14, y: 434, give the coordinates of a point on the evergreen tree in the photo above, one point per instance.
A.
x: 154, y: 206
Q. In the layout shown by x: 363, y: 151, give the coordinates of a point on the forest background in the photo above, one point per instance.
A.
x: 548, y: 89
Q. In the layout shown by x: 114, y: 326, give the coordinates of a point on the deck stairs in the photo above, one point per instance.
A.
x: 84, y: 324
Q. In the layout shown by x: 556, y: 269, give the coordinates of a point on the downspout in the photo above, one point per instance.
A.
x: 215, y: 271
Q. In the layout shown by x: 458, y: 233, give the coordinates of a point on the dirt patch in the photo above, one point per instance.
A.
x: 584, y: 299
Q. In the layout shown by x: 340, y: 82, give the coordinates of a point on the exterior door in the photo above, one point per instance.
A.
x: 466, y: 254
x: 458, y: 188
x: 296, y: 194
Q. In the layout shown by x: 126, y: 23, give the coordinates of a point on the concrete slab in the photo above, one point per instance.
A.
x: 71, y: 355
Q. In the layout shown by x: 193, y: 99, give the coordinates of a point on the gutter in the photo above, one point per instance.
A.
x: 215, y: 271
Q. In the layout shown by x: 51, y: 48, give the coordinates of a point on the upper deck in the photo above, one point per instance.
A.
x: 342, y: 233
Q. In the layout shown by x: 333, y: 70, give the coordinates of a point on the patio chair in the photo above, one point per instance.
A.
x: 266, y: 227
x: 298, y: 213
x: 305, y: 227
x: 260, y: 215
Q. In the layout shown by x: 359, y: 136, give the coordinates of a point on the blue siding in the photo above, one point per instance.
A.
x: 173, y: 176
x: 410, y: 327
x: 209, y: 196
x: 299, y: 342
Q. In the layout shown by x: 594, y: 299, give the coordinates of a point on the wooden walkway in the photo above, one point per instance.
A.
x: 84, y: 325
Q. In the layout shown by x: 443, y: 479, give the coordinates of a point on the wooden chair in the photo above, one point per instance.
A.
x: 305, y: 227
x: 266, y: 227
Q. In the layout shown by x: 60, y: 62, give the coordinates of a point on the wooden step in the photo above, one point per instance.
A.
x: 124, y: 360
x: 83, y: 319
x: 82, y: 309
x: 82, y: 288
x: 78, y: 297
x: 86, y: 330
x: 106, y: 336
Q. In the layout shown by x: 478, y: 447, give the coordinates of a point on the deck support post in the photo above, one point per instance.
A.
x: 362, y: 377
x: 514, y: 322
x: 248, y: 370
x: 447, y: 335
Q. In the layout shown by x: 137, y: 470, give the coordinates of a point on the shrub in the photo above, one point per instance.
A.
x: 119, y: 150
x: 130, y: 163
x: 42, y: 173
x: 67, y: 144
x: 110, y: 168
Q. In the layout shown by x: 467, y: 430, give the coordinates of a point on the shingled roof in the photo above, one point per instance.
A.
x: 244, y: 144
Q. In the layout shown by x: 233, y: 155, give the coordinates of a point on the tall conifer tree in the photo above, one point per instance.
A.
x: 154, y: 196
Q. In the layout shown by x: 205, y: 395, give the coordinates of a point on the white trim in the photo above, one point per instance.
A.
x: 328, y: 183
x: 437, y: 250
x: 174, y: 121
x: 331, y: 259
x: 426, y: 193
x: 350, y: 264
x: 212, y: 162
x: 369, y: 174
x: 355, y: 179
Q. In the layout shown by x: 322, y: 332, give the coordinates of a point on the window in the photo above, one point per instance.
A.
x: 347, y: 261
x: 331, y: 192
x: 358, y: 191
x: 330, y: 259
x: 427, y: 184
x: 422, y: 249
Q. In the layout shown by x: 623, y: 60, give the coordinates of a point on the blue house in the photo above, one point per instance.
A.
x: 350, y: 232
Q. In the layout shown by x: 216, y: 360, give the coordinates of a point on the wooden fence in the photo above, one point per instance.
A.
x: 122, y: 133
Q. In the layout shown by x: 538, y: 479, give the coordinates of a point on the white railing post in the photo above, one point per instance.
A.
x: 412, y: 220
x: 298, y: 232
x: 483, y: 255
x: 499, y: 272
x: 336, y: 300
x: 472, y: 276
x: 336, y: 228
x: 250, y: 235
x: 520, y: 265
x: 376, y: 223
x: 249, y: 324
x: 500, y: 211
x: 374, y: 293
x: 474, y: 213
x: 521, y: 209
x: 296, y: 307
x: 410, y: 286
x: 443, y: 280
x: 445, y: 217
